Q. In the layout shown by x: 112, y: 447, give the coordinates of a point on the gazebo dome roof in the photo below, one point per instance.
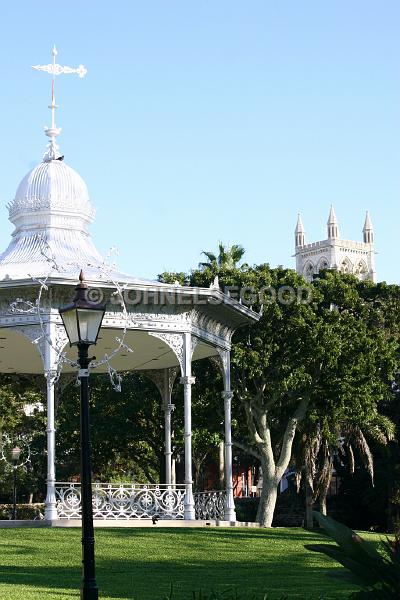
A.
x: 51, y: 186
x: 51, y: 213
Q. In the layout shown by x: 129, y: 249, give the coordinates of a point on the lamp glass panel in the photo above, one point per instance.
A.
x: 89, y: 324
x: 15, y: 453
x: 71, y: 325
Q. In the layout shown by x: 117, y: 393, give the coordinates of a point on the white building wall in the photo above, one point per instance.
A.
x: 357, y: 258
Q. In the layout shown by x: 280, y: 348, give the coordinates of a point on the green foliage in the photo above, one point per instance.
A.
x: 356, y: 429
x: 325, y: 363
x: 167, y: 277
x: 127, y: 434
x: 246, y: 509
x: 378, y: 574
x: 15, y: 393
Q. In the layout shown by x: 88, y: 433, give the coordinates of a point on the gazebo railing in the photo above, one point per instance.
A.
x: 209, y: 505
x: 137, y: 501
x: 122, y: 501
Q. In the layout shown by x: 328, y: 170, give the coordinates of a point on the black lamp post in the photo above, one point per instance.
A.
x: 15, y: 454
x: 82, y: 321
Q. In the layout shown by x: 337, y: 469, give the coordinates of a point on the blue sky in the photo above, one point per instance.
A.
x: 210, y: 120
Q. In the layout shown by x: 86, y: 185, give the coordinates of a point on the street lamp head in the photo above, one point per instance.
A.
x: 15, y: 454
x: 82, y: 318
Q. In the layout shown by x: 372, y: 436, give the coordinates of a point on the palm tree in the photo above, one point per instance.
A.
x: 228, y: 257
x: 319, y: 450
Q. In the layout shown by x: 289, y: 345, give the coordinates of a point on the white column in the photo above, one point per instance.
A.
x: 173, y: 473
x: 50, y: 513
x: 50, y: 365
x: 187, y: 380
x: 168, y: 408
x: 230, y: 514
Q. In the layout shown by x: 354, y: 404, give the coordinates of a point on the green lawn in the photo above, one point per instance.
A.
x: 44, y: 564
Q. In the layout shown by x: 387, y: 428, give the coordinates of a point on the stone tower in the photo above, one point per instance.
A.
x: 347, y: 256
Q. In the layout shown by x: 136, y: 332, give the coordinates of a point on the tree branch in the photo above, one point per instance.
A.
x: 288, y: 436
x: 250, y: 421
x: 247, y: 449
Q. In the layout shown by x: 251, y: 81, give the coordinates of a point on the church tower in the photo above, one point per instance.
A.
x: 357, y: 258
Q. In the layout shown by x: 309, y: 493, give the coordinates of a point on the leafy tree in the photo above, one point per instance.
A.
x: 347, y: 435
x: 303, y: 359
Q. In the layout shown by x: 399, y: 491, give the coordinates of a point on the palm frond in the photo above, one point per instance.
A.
x: 350, y: 452
x: 325, y: 469
x: 381, y: 428
x: 237, y: 251
x: 365, y: 451
x: 212, y: 260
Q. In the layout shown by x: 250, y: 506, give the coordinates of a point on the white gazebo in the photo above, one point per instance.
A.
x: 150, y: 327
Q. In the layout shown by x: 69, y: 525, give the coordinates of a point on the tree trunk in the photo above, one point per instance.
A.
x: 322, y: 502
x: 272, y: 469
x: 198, y: 474
x: 309, y: 507
x: 309, y: 501
x: 266, y: 507
x: 323, y: 494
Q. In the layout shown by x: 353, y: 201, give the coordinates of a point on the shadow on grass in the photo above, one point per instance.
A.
x: 146, y: 580
x: 299, y: 535
x: 16, y: 549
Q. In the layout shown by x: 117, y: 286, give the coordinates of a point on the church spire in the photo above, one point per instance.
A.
x: 368, y: 231
x: 53, y: 151
x: 299, y: 233
x: 332, y: 224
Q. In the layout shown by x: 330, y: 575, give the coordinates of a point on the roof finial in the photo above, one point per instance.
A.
x: 333, y: 224
x: 299, y: 224
x: 52, y: 152
x: 299, y: 232
x: 368, y: 230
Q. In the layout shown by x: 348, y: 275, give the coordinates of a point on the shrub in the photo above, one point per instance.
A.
x: 24, y: 511
x: 246, y: 509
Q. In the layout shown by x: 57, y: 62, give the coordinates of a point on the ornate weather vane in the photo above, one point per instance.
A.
x: 52, y: 132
